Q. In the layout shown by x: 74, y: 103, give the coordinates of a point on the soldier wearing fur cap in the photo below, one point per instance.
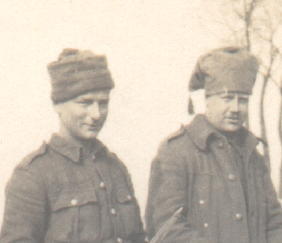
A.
x: 73, y: 189
x: 211, y: 168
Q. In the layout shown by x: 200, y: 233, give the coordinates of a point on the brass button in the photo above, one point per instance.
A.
x: 231, y: 177
x: 113, y: 211
x: 201, y: 202
x: 73, y: 202
x: 238, y: 216
x: 220, y: 144
x: 129, y: 197
x: 206, y: 225
x: 102, y: 184
x: 93, y: 157
x: 119, y: 240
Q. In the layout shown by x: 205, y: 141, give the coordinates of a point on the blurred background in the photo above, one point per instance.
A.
x: 152, y: 47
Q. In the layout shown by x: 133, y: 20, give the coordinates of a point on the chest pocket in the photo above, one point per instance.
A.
x: 128, y: 212
x: 73, y: 198
x: 71, y: 211
x: 206, y: 183
x: 205, y: 176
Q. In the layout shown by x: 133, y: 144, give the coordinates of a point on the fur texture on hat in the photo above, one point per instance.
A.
x: 231, y: 69
x: 77, y: 72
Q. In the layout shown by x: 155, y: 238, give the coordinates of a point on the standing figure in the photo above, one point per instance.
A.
x: 73, y: 189
x: 210, y: 169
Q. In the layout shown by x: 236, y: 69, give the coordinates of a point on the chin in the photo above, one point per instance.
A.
x: 88, y: 136
x: 91, y: 136
x: 231, y: 128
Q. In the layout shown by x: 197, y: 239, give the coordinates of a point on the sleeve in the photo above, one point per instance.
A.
x: 25, y: 209
x: 168, y: 188
x: 139, y: 235
x: 274, y: 211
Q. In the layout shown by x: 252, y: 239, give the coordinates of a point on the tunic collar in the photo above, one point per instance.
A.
x: 70, y: 150
x: 201, y: 131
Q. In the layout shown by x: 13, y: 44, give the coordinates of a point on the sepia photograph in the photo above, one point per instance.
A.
x: 138, y: 121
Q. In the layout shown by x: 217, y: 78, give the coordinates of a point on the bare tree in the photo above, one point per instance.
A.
x: 256, y: 24
x: 280, y: 136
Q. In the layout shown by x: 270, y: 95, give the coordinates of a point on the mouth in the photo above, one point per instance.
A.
x: 93, y: 127
x: 233, y: 120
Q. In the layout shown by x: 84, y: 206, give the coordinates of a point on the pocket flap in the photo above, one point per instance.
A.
x: 124, y: 196
x: 73, y: 199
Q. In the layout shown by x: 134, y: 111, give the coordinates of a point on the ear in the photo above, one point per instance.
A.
x: 208, y: 104
x: 57, y: 108
x: 190, y: 106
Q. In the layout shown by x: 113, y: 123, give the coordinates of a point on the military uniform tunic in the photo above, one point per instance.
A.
x: 226, y: 191
x: 61, y: 194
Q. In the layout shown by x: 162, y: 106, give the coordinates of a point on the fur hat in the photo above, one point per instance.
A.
x: 77, y: 72
x: 226, y: 69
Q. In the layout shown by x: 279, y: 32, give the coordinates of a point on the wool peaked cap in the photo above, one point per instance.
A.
x: 231, y: 69
x: 77, y: 72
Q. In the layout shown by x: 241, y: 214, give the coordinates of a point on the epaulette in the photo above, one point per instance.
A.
x: 176, y: 134
x: 32, y: 156
x: 261, y: 140
x: 117, y: 160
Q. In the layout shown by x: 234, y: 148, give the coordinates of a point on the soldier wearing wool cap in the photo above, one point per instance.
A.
x: 73, y: 189
x: 210, y: 169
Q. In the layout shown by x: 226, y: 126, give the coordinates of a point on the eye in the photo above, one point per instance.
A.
x: 243, y: 100
x: 84, y: 102
x: 104, y: 103
x: 227, y: 97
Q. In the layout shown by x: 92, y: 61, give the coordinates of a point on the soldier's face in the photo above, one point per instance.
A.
x: 227, y: 111
x: 83, y: 117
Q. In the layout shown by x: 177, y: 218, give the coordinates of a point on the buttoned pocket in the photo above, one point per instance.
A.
x: 204, y: 189
x: 124, y: 196
x: 72, y: 210
x: 128, y: 212
x: 69, y: 199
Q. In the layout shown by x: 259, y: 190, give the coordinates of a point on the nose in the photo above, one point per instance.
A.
x: 234, y: 106
x: 94, y: 111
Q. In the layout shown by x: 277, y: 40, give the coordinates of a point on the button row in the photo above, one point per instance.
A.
x: 74, y: 202
x: 238, y: 217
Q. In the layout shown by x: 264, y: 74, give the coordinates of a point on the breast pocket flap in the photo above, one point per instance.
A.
x: 124, y: 196
x: 73, y: 199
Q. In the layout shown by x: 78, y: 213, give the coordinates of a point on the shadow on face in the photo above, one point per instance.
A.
x: 227, y: 111
x: 83, y: 117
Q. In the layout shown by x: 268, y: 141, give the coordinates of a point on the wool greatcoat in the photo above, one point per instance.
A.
x: 225, y: 189
x: 60, y: 194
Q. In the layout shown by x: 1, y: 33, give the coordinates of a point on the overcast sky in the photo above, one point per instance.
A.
x: 152, y: 47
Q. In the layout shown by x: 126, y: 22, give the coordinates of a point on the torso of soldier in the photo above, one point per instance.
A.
x: 219, y: 179
x: 72, y: 195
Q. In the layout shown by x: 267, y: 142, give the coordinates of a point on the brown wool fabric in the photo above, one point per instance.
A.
x: 77, y: 72
x: 231, y: 69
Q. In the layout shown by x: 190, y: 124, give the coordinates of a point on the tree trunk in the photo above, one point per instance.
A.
x: 262, y: 121
x: 280, y: 136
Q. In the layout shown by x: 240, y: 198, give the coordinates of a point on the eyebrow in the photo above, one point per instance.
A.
x: 86, y: 96
x: 234, y: 93
x: 227, y: 94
